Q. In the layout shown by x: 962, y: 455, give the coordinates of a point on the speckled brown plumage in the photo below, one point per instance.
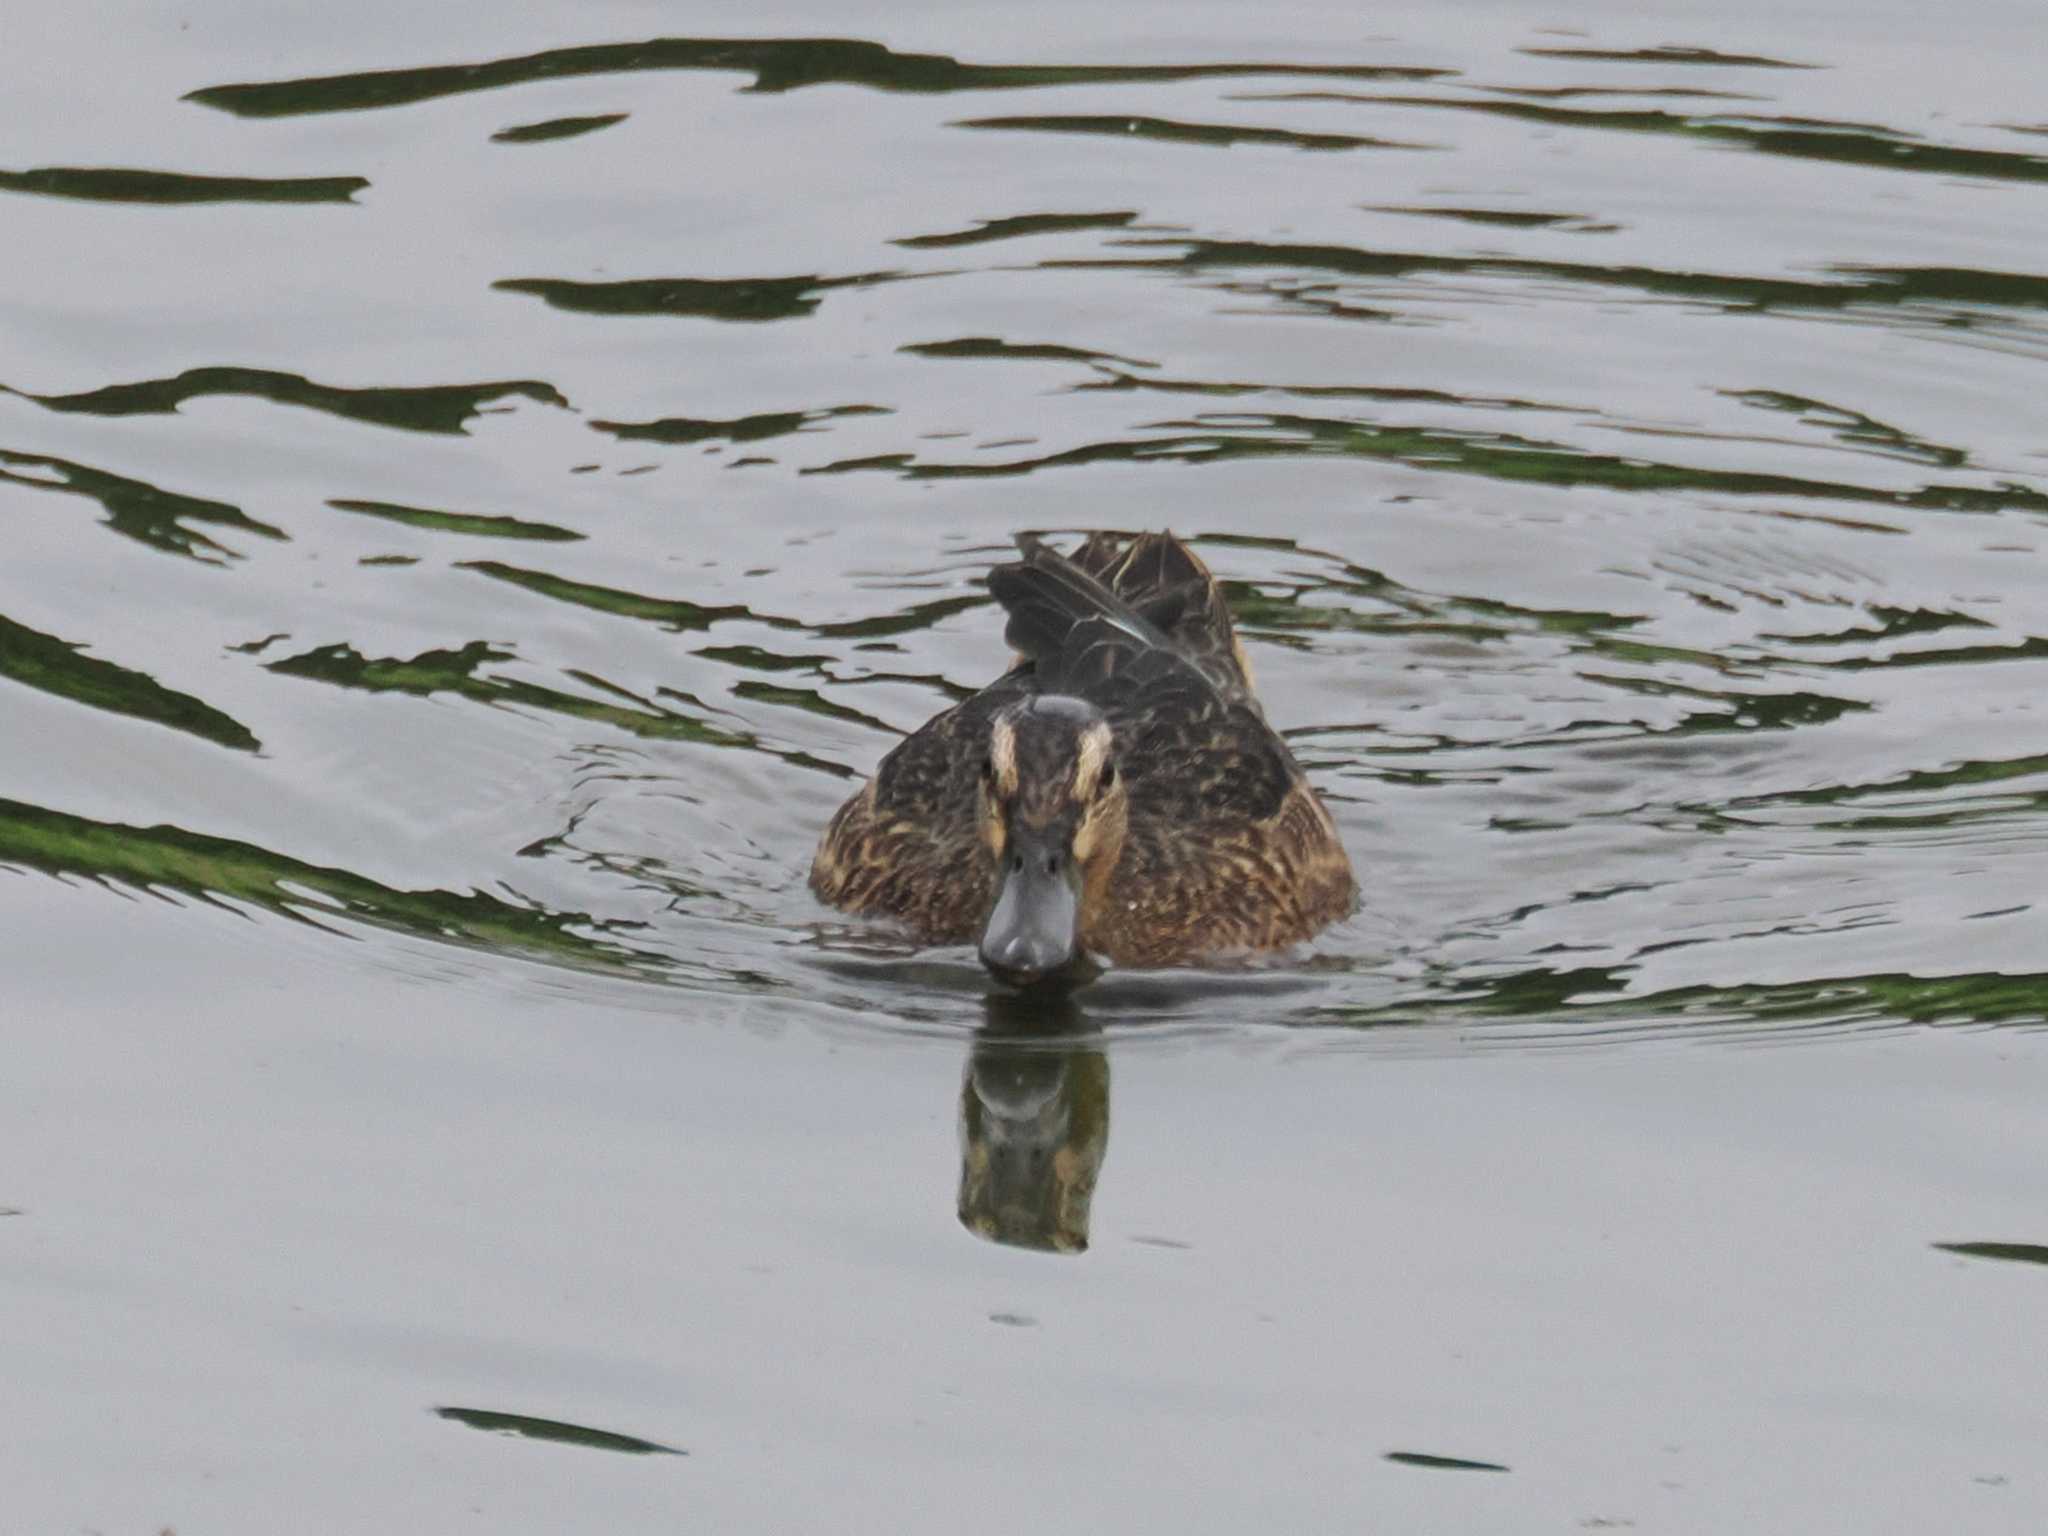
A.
x: 1224, y: 846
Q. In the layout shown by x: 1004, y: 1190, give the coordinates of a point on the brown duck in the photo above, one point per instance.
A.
x: 1116, y: 794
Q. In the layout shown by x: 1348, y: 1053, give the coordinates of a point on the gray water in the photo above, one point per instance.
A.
x: 478, y: 489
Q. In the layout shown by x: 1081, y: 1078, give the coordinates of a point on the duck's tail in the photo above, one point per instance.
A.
x: 1131, y: 592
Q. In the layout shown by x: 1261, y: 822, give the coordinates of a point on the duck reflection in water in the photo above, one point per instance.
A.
x: 1034, y: 1124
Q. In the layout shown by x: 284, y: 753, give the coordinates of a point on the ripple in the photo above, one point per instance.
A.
x: 526, y: 1427
x: 811, y: 702
x: 738, y: 298
x: 1442, y: 1463
x: 1668, y: 54
x: 1575, y: 92
x: 1859, y: 144
x: 1854, y: 428
x: 55, y: 666
x: 556, y: 128
x: 1917, y: 800
x: 108, y: 184
x: 2018, y: 1253
x: 478, y: 525
x: 1504, y: 218
x: 738, y: 429
x: 1166, y: 131
x: 1590, y: 1005
x: 777, y: 64
x: 670, y: 612
x: 165, y: 860
x: 416, y: 408
x: 1854, y: 287
x: 136, y: 509
x: 1017, y: 227
x: 456, y: 671
x: 992, y: 347
x: 1217, y: 437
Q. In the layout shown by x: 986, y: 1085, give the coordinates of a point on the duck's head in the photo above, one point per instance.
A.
x: 1053, y: 814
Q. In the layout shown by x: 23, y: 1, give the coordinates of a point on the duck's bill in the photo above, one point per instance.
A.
x: 1032, y: 930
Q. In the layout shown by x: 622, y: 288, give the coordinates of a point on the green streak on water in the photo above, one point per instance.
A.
x: 136, y: 509
x: 1037, y: 351
x: 1213, y: 438
x: 738, y: 429
x: 556, y: 128
x: 2019, y: 1253
x: 681, y: 614
x: 526, y: 1427
x: 1858, y: 144
x: 1442, y: 1463
x: 427, y: 408
x: 777, y: 64
x: 808, y: 700
x: 1891, y: 624
x: 1878, y: 287
x: 1854, y: 427
x: 163, y: 859
x: 1666, y: 54
x: 1165, y: 131
x: 1590, y: 1000
x: 1495, y: 218
x: 55, y: 666
x: 755, y: 659
x: 670, y: 612
x: 1018, y: 227
x: 905, y: 620
x: 109, y: 184
x: 739, y: 298
x: 459, y: 522
x: 457, y: 671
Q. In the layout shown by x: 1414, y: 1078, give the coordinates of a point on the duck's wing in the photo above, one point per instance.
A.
x: 1161, y: 578
x: 1116, y: 621
x: 908, y: 845
x: 1194, y: 741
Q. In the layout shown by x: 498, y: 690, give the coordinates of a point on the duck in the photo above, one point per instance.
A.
x: 1115, y: 797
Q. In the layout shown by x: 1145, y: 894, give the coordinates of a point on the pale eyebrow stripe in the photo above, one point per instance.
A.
x: 1093, y: 754
x: 1002, y: 755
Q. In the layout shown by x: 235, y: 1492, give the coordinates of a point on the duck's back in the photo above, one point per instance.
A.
x: 1228, y: 847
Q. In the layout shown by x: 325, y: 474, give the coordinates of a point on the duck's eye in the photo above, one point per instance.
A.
x: 988, y: 769
x: 1107, y: 782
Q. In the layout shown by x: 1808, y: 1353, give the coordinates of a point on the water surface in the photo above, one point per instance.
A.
x: 477, y: 491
